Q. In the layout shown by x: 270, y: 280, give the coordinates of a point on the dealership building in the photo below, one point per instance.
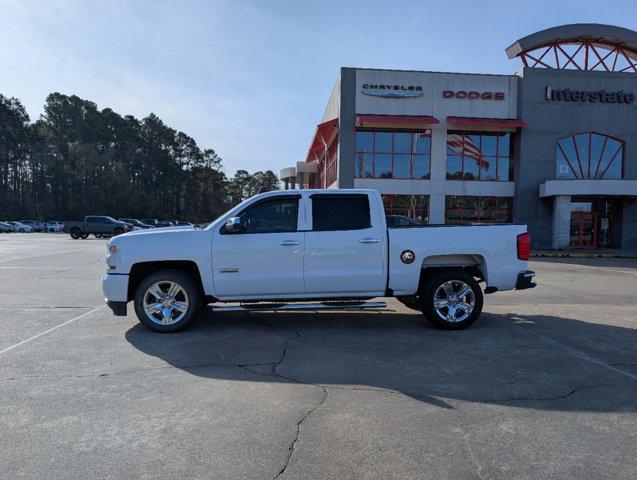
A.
x: 553, y: 146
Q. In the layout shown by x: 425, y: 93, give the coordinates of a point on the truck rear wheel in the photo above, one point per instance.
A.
x: 167, y: 301
x: 452, y: 300
x: 118, y: 231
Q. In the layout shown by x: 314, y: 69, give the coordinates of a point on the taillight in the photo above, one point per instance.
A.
x: 524, y: 246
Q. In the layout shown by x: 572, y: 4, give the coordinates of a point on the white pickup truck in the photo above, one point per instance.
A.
x: 313, y: 249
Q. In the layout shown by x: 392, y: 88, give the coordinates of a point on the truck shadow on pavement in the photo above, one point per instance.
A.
x: 537, y: 362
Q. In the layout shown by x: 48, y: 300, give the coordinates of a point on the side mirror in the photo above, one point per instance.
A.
x: 234, y: 225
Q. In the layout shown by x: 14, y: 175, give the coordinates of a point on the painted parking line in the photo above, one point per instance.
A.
x: 583, y: 355
x: 50, y: 330
x: 57, y: 252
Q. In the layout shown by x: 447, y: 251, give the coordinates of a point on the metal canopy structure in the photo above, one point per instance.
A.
x: 322, y: 135
x: 486, y: 122
x: 583, y: 46
x: 397, y: 119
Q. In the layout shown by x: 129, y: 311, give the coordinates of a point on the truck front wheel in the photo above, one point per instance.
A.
x: 452, y: 300
x: 75, y: 233
x: 167, y: 300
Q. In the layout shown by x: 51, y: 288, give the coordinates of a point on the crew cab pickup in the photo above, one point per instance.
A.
x: 313, y: 249
x: 97, y: 225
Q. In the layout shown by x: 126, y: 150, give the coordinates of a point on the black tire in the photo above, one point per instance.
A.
x: 435, y: 282
x: 75, y: 233
x: 117, y: 231
x: 187, y: 283
x: 51, y: 230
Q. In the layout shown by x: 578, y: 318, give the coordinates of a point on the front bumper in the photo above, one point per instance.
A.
x: 115, y: 287
x: 118, y: 308
x: 525, y: 280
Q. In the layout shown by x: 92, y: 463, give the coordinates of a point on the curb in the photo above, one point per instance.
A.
x: 577, y: 255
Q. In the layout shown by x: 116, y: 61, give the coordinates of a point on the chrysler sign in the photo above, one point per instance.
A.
x: 392, y: 91
x: 590, y: 96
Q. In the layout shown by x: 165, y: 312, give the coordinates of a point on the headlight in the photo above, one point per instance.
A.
x: 112, y: 249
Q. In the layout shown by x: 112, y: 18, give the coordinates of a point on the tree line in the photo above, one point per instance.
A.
x: 77, y: 160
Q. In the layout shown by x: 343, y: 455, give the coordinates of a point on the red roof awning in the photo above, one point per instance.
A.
x: 321, y: 136
x: 398, y: 119
x: 485, y: 122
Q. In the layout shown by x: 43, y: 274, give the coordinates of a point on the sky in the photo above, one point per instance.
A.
x: 251, y: 79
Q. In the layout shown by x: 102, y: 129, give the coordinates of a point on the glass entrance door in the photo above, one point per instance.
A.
x: 583, y: 230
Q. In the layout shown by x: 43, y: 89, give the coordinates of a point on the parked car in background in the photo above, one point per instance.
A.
x: 53, y: 226
x: 181, y: 223
x: 157, y: 223
x: 313, y: 246
x: 401, y: 221
x: 136, y: 223
x: 21, y: 227
x: 6, y: 227
x: 37, y: 225
x: 96, y: 225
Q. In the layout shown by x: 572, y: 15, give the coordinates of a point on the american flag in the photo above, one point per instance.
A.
x: 462, y: 145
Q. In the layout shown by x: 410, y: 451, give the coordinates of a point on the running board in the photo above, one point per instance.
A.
x: 252, y: 307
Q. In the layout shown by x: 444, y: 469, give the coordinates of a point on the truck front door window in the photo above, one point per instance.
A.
x: 278, y: 215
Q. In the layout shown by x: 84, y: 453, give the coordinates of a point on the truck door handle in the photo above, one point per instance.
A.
x: 288, y: 243
x: 369, y: 240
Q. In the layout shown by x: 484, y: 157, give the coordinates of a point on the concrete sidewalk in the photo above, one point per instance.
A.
x: 580, y: 253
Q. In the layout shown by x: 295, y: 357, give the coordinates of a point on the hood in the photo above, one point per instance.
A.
x: 151, y: 233
x: 158, y: 244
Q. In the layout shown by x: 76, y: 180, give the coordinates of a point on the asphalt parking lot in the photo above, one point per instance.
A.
x: 544, y: 385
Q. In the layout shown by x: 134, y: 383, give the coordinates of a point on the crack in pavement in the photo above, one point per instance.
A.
x: 292, y: 446
x: 274, y: 372
x: 556, y: 397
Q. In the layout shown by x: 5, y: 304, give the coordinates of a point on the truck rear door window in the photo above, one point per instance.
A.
x: 340, y: 212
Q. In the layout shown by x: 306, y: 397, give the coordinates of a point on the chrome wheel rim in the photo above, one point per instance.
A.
x: 165, y: 302
x: 454, y: 301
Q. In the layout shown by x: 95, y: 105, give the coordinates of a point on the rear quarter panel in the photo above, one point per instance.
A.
x: 495, y: 245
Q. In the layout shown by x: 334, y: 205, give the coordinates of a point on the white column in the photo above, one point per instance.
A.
x: 561, y: 221
x: 436, y: 208
x: 438, y: 175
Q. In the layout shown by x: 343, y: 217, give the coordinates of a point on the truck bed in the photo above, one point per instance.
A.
x: 492, y: 248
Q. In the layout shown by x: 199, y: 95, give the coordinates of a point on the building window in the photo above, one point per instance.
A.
x: 589, y: 156
x: 486, y: 156
x: 412, y: 206
x: 466, y: 209
x: 393, y: 154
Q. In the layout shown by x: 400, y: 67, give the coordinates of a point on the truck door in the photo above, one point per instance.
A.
x: 345, y: 250
x: 91, y: 224
x: 266, y: 258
